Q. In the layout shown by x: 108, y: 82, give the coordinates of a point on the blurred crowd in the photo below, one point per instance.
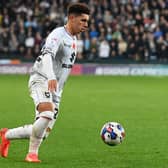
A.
x: 134, y: 30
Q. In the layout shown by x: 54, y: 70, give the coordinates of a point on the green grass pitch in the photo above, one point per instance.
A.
x: 140, y: 104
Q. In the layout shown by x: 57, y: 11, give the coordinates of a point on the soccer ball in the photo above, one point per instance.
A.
x: 112, y: 133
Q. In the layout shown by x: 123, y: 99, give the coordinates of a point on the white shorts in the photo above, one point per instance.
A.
x: 39, y: 93
x: 38, y: 88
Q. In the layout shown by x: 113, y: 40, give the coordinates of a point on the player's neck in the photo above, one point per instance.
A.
x: 69, y: 30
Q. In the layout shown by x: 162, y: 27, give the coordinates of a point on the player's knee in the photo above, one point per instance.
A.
x: 45, y: 106
x: 46, y: 110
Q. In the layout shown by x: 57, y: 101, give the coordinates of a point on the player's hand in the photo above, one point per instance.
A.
x: 52, y: 85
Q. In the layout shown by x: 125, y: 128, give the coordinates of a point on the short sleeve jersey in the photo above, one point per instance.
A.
x: 60, y: 47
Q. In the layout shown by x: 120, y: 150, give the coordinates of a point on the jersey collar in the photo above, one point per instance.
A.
x: 73, y: 37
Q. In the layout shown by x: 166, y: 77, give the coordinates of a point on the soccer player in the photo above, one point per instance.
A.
x: 49, y: 74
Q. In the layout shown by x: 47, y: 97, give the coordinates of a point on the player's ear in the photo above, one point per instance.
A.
x: 71, y: 17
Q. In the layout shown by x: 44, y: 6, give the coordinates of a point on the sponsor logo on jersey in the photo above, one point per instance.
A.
x: 67, y: 45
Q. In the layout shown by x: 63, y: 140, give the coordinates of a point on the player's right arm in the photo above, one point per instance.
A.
x: 48, y: 53
x: 48, y: 69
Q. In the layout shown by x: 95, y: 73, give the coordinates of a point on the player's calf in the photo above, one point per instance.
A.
x: 51, y: 124
x: 38, y: 132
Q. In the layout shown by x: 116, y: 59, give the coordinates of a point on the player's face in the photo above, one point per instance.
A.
x: 80, y: 23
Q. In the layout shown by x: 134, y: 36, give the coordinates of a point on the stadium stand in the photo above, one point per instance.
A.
x: 121, y: 31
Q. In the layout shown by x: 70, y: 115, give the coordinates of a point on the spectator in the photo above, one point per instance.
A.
x: 5, y: 42
x: 152, y: 46
x: 122, y: 47
x: 30, y: 22
x: 107, y: 17
x: 162, y: 49
x: 13, y: 44
x: 21, y: 37
x: 25, y: 24
x: 93, y: 32
x: 109, y: 34
x: 93, y: 49
x: 80, y: 48
x: 86, y: 45
x: 104, y: 49
x: 114, y: 48
x: 38, y: 39
x: 28, y: 54
x: 157, y: 33
x: 29, y: 41
x: 117, y: 33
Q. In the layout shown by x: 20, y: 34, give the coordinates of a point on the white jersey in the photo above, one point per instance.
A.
x: 56, y: 60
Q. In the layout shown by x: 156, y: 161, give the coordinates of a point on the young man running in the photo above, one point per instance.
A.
x: 49, y: 74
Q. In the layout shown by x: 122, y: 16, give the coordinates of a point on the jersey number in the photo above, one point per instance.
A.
x: 72, y: 57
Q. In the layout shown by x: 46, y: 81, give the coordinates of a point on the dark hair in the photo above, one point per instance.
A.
x: 78, y: 9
